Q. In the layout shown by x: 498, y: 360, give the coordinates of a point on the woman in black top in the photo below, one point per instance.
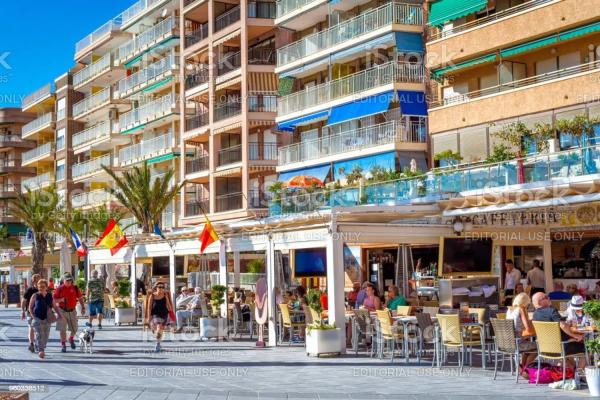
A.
x: 40, y: 307
x: 158, y: 307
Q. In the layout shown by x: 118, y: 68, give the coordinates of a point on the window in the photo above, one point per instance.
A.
x: 60, y: 170
x: 568, y: 141
x: 546, y: 66
x: 60, y: 139
x: 509, y: 71
x: 569, y: 60
x: 60, y: 108
x: 529, y: 145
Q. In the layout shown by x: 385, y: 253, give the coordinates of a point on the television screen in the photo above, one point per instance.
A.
x: 160, y: 266
x: 466, y: 256
x: 310, y: 263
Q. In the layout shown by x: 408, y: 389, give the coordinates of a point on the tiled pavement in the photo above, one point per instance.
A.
x: 124, y: 366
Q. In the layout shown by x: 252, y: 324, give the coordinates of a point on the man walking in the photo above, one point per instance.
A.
x: 67, y: 295
x: 31, y: 290
x: 95, y: 296
x: 536, y: 278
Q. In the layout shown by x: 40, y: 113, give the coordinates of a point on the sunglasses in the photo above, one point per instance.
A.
x: 160, y: 287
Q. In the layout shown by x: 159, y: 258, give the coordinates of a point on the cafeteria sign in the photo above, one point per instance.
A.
x: 582, y: 215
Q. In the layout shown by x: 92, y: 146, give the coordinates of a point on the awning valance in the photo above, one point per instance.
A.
x: 443, y: 11
x: 522, y: 48
x: 319, y: 172
x: 291, y: 124
x: 306, y: 67
x: 409, y: 42
x: 361, y: 108
x: 412, y: 103
x: 262, y: 82
x: 387, y: 161
x: 465, y: 64
x: 580, y: 31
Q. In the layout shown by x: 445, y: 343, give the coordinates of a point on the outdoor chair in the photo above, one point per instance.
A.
x: 427, y: 336
x: 242, y: 321
x: 389, y: 334
x: 431, y: 303
x: 288, y: 324
x: 308, y: 316
x: 403, y: 311
x: 430, y: 310
x: 362, y: 329
x: 452, y: 336
x: 314, y: 315
x: 109, y: 307
x: 506, y: 343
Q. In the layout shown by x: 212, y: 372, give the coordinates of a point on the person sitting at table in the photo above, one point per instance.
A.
x: 519, y: 288
x: 372, y: 302
x: 193, y: 307
x: 183, y: 298
x: 395, y: 299
x: 523, y: 329
x: 360, y: 297
x: 575, y: 315
x: 572, y: 289
x: 353, y: 294
x: 559, y: 293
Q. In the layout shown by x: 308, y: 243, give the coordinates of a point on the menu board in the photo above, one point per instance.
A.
x: 13, y: 294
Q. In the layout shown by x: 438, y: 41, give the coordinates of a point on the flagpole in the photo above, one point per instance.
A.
x: 86, y: 260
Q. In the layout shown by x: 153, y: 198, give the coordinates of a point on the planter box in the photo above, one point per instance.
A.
x: 213, y: 328
x: 125, y: 316
x: 592, y: 376
x: 323, y: 341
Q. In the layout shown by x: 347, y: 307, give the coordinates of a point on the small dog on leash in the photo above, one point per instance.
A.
x: 86, y: 340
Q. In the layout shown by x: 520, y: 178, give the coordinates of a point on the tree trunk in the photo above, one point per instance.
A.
x: 38, y: 252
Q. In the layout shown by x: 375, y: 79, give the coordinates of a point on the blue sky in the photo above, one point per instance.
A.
x: 37, y: 40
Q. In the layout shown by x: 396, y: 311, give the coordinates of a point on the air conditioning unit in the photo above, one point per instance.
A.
x: 113, y: 114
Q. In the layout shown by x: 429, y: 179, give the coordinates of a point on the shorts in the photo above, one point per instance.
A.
x: 68, y: 320
x: 29, y: 318
x: 96, y: 307
x: 574, y: 348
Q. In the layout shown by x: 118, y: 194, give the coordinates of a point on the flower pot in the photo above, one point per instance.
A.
x: 213, y: 328
x: 592, y: 376
x: 125, y: 316
x: 323, y: 341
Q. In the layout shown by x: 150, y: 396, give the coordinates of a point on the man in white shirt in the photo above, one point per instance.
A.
x: 513, y: 276
x: 183, y: 299
x: 536, y: 278
x: 193, y: 307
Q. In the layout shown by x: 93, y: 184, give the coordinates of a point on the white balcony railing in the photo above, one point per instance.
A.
x: 146, y: 113
x: 37, y: 124
x: 112, y: 25
x: 145, y: 149
x: 91, y: 102
x: 91, y: 166
x: 93, y: 70
x: 137, y: 9
x: 37, y: 152
x: 36, y: 182
x: 36, y: 96
x: 390, y: 13
x: 379, y: 75
x: 91, y: 134
x: 91, y: 198
x: 146, y: 39
x: 287, y: 6
x: 146, y: 75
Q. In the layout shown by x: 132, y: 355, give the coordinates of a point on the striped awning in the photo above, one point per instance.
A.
x: 262, y: 82
x: 225, y: 38
x: 228, y: 172
x: 226, y: 128
x: 229, y: 82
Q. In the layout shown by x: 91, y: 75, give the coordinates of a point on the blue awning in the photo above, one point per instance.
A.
x: 386, y: 161
x: 291, y: 124
x: 384, y: 41
x: 319, y: 172
x: 361, y: 108
x: 412, y: 103
x: 409, y: 42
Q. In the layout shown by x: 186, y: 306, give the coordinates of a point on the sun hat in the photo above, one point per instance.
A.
x: 577, y: 302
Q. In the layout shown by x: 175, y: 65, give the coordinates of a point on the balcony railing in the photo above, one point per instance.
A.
x: 36, y: 182
x: 144, y: 76
x: 287, y: 6
x: 196, y: 78
x: 91, y: 134
x: 196, y: 121
x: 112, y: 25
x: 262, y: 151
x: 15, y: 139
x: 262, y: 9
x: 261, y: 55
x: 91, y: 198
x: 379, y: 75
x: 262, y: 102
x: 146, y: 113
x: 91, y: 166
x: 145, y: 149
x: 227, y: 18
x: 229, y: 202
x: 197, y: 207
x: 137, y: 9
x: 227, y: 110
x: 229, y: 63
x: 197, y: 35
x: 36, y: 96
x: 197, y: 164
x: 91, y: 102
x: 390, y: 13
x: 93, y: 70
x: 147, y: 39
x: 37, y: 124
x: 518, y: 84
x: 258, y: 199
x: 37, y: 152
x: 230, y: 155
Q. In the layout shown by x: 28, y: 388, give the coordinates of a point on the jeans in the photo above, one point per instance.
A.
x: 41, y: 327
x: 182, y: 315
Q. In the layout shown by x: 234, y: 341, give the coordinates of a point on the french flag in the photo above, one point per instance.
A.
x: 79, y: 245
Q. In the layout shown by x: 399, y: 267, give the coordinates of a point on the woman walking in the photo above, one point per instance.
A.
x: 158, y: 309
x: 40, y: 308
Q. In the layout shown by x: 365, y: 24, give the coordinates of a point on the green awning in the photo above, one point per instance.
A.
x: 443, y: 11
x: 158, y: 84
x: 465, y: 64
x: 162, y: 158
x: 582, y: 30
x: 522, y: 48
x: 16, y: 228
x: 132, y: 130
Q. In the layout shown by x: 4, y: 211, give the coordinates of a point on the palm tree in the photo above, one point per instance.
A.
x: 144, y: 196
x: 38, y: 210
x: 93, y: 222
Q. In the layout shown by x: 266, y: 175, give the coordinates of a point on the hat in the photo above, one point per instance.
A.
x: 577, y: 302
x: 67, y: 277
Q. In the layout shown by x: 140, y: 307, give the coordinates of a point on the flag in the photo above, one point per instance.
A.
x: 207, y: 236
x: 79, y: 245
x: 158, y: 232
x: 112, y: 238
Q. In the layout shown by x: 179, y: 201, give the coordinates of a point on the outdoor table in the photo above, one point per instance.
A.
x: 406, y: 321
x: 481, y: 337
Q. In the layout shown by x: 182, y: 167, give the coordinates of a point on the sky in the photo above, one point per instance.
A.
x: 37, y: 40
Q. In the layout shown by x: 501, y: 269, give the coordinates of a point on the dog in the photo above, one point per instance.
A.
x: 86, y: 340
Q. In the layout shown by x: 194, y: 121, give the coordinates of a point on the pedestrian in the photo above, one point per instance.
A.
x: 40, y: 308
x: 95, y: 297
x: 31, y: 290
x: 67, y: 295
x: 536, y: 278
x: 159, y: 307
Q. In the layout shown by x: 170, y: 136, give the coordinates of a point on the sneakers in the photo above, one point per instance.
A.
x: 42, y: 355
x: 157, y: 348
x: 31, y: 347
x: 88, y: 324
x: 72, y: 342
x: 63, y: 349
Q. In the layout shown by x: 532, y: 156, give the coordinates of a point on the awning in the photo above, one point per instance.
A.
x: 522, y: 48
x: 386, y: 161
x: 361, y: 108
x: 405, y: 157
x: 291, y: 124
x: 262, y: 82
x: 228, y: 37
x: 384, y: 41
x: 443, y: 11
x: 412, y: 103
x: 165, y: 157
x: 226, y: 128
x: 465, y: 64
x: 409, y: 42
x: 306, y: 67
x: 580, y: 31
x: 319, y: 172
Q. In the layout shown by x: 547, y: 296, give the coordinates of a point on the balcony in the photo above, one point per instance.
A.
x: 43, y: 123
x: 197, y: 164
x: 262, y: 102
x: 91, y: 103
x: 229, y: 202
x: 37, y: 182
x: 95, y: 133
x: 92, y: 71
x: 12, y: 166
x: 227, y: 110
x: 43, y: 93
x: 91, y: 199
x: 147, y: 149
x: 137, y: 10
x: 388, y: 74
x: 258, y: 199
x: 197, y: 35
x: 37, y: 154
x: 343, y: 35
x: 196, y: 122
x: 227, y: 18
x: 197, y: 207
x: 9, y: 191
x: 88, y: 42
x: 90, y: 167
x: 15, y: 141
x: 151, y: 75
x: 230, y: 155
x: 266, y: 151
x: 229, y: 63
x: 148, y: 39
x: 262, y: 9
x: 196, y: 79
x: 147, y: 113
x: 261, y: 56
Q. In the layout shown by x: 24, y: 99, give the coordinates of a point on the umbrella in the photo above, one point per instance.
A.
x: 520, y: 169
x: 303, y: 181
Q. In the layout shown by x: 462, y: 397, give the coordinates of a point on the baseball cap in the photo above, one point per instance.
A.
x: 67, y: 277
x: 577, y: 302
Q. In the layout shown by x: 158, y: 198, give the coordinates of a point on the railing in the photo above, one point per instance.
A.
x: 91, y: 166
x: 36, y: 182
x: 147, y: 112
x: 91, y: 102
x: 36, y: 96
x: 261, y: 55
x: 433, y: 32
x: 11, y: 139
x: 390, y: 13
x: 196, y: 121
x: 166, y: 220
x: 227, y: 18
x: 37, y: 123
x: 90, y: 134
x: 230, y: 155
x: 142, y: 77
x: 521, y: 83
x: 188, y: 2
x: 93, y: 70
x: 262, y: 102
x: 197, y: 164
x: 287, y: 6
x: 137, y: 9
x: 146, y: 148
x: 227, y: 110
x: 229, y: 63
x: 61, y: 114
x: 91, y: 198
x: 9, y: 187
x: 197, y: 207
x: 197, y: 35
x: 379, y: 75
x: 258, y: 199
x: 264, y: 151
x: 112, y: 25
x: 39, y: 151
x: 147, y: 38
x: 229, y: 202
x: 197, y: 78
x: 262, y: 9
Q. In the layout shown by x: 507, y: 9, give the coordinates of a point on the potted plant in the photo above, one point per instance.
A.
x: 321, y: 338
x: 592, y: 372
x: 124, y: 313
x: 214, y: 326
x: 452, y: 158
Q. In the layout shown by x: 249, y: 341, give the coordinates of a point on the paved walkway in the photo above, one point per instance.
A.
x: 124, y: 366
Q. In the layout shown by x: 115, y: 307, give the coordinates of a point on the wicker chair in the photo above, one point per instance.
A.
x: 452, y: 336
x: 431, y: 310
x: 388, y: 332
x: 506, y: 343
x: 362, y: 329
x: 431, y: 303
x: 287, y: 322
x: 427, y: 335
x: 403, y: 311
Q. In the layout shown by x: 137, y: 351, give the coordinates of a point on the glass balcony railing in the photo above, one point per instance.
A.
x: 379, y: 75
x: 197, y: 164
x: 147, y: 39
x: 91, y: 166
x: 37, y: 124
x: 227, y: 110
x: 137, y: 9
x: 91, y: 102
x: 229, y: 202
x: 390, y: 13
x: 261, y: 55
x: 197, y: 78
x: 143, y: 77
x: 262, y: 9
x: 146, y: 149
x: 146, y: 113
x: 227, y: 18
x: 196, y: 121
x: 36, y: 182
x: 230, y: 155
x: 356, y: 139
x: 266, y: 151
x: 40, y: 151
x: 229, y: 63
x: 91, y: 198
x: 36, y: 96
x: 197, y: 207
x: 259, y: 199
x: 110, y: 26
x: 93, y: 70
x: 262, y: 102
x: 197, y: 35
x: 287, y: 6
x: 101, y: 130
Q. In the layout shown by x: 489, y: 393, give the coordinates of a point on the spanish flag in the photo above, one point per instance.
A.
x: 112, y: 238
x: 207, y: 236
